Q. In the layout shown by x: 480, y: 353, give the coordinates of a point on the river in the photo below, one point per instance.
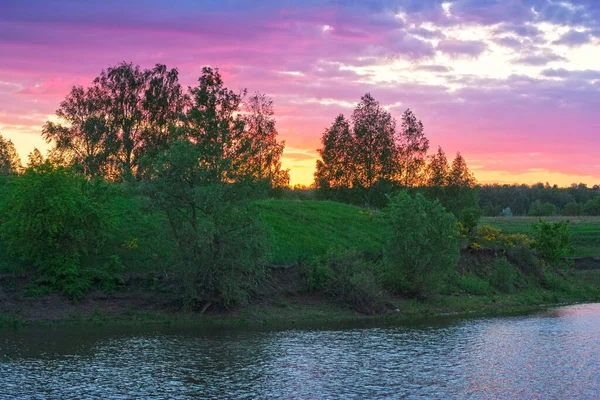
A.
x: 551, y: 354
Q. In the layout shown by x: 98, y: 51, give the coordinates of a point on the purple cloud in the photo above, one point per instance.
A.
x: 461, y: 47
x: 538, y: 59
x: 574, y: 38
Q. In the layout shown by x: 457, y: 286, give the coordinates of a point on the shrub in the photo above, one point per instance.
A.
x: 422, y: 246
x: 53, y: 219
x: 552, y: 242
x: 222, y: 247
x: 503, y: 275
x: 506, y: 212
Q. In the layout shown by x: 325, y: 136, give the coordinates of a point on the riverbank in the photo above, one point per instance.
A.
x: 139, y: 307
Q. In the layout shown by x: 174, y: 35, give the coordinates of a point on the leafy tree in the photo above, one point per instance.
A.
x: 437, y: 172
x: 374, y: 152
x: 413, y: 146
x: 221, y: 244
x: 216, y: 128
x: 335, y: 168
x: 462, y: 197
x: 592, y: 206
x: 84, y: 138
x: 141, y: 105
x: 35, y: 158
x: 10, y: 163
x: 552, y: 241
x: 422, y: 246
x: 126, y: 114
x: 260, y: 139
x: 54, y: 219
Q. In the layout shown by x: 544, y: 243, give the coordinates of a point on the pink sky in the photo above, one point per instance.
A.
x: 513, y: 85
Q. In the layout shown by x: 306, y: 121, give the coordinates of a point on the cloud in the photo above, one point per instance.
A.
x: 574, y: 38
x: 433, y: 68
x: 538, y: 59
x: 461, y: 47
x: 563, y: 73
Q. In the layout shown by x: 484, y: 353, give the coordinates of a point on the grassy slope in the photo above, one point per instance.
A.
x: 303, y: 230
x: 585, y: 230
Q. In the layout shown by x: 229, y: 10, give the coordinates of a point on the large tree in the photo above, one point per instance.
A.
x: 335, y: 168
x: 436, y: 175
x: 126, y: 114
x: 215, y: 126
x: 374, y: 152
x: 83, y: 138
x: 263, y: 163
x: 412, y: 149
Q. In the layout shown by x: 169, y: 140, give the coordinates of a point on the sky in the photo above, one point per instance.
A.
x: 514, y: 85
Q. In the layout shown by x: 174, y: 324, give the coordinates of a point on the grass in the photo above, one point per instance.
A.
x: 304, y: 230
x: 585, y: 231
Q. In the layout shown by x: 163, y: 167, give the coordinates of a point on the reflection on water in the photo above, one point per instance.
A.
x: 555, y: 354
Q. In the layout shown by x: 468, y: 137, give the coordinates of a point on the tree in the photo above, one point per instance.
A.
x: 412, y: 148
x: 214, y: 125
x: 374, y: 152
x: 222, y: 248
x: 35, y: 158
x: 54, y: 218
x: 437, y: 172
x: 422, y: 245
x: 10, y: 163
x: 84, y: 138
x: 141, y: 106
x: 552, y: 242
x: 260, y: 141
x: 335, y: 169
x: 462, y: 197
x: 592, y: 206
x: 127, y: 113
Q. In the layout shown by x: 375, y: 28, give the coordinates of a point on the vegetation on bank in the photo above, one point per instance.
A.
x: 175, y: 199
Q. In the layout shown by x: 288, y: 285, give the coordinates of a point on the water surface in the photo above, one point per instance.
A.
x: 554, y: 354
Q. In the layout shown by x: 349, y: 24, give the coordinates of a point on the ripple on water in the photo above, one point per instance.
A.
x: 549, y: 355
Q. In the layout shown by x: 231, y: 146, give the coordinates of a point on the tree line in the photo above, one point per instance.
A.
x: 540, y: 200
x: 367, y: 157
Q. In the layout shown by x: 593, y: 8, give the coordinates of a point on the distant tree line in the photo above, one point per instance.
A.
x: 539, y: 200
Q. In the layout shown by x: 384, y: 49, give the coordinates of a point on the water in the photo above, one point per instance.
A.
x: 555, y: 354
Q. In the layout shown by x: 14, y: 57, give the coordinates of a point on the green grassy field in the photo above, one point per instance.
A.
x: 585, y: 230
x: 303, y: 230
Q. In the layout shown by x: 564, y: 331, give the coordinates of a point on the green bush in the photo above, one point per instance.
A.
x: 221, y: 245
x: 422, y: 246
x: 473, y: 285
x: 54, y: 219
x: 552, y: 242
x: 504, y: 275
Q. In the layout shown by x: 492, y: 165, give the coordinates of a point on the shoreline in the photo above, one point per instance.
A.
x: 306, y: 315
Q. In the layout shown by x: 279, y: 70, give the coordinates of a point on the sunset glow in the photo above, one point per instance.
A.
x: 513, y: 85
